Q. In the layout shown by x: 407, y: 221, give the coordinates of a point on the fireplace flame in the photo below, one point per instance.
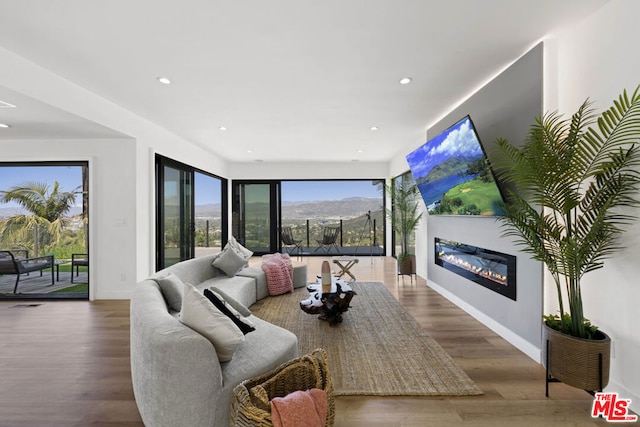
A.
x: 477, y: 270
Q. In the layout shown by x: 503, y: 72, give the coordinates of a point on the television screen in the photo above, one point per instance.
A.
x: 454, y: 175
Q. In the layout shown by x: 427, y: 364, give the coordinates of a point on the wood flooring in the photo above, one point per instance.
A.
x: 66, y: 363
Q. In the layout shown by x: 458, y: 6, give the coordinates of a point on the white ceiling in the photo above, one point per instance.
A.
x: 291, y: 80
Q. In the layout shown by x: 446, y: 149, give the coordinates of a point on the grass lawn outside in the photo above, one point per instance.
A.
x: 76, y: 288
x: 80, y: 288
x: 484, y: 195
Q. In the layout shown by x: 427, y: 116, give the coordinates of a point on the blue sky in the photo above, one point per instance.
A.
x: 207, y: 188
x: 459, y: 139
x: 299, y: 191
x: 69, y: 178
x: 296, y: 191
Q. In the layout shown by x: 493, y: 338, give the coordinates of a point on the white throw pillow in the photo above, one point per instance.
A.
x: 229, y: 261
x: 201, y: 315
x: 246, y: 253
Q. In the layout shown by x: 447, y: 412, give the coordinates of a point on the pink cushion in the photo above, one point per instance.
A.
x: 279, y: 271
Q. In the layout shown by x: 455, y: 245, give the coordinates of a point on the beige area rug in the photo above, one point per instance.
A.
x: 378, y: 349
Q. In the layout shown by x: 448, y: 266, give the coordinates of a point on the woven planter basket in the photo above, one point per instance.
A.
x: 250, y: 405
x: 407, y: 266
x: 575, y: 361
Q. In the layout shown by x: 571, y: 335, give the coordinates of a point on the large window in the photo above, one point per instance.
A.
x: 325, y: 217
x: 44, y: 218
x: 191, y: 207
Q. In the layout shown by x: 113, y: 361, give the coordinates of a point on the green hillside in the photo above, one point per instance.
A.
x: 473, y: 197
x: 452, y: 166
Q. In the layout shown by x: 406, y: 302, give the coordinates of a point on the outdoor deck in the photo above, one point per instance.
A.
x: 33, y: 283
x: 336, y: 250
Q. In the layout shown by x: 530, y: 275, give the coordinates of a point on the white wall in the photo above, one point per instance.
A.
x: 308, y: 170
x: 598, y: 59
x: 114, y: 160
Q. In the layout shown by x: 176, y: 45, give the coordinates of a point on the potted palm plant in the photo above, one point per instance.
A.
x: 405, y: 217
x: 573, y: 183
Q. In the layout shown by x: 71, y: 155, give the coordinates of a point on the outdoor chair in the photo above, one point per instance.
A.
x: 78, y: 260
x: 329, y: 237
x: 286, y: 235
x: 10, y: 264
x: 20, y: 253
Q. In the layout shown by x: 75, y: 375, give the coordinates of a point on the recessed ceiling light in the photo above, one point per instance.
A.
x: 222, y: 128
x: 2, y: 125
x: 164, y: 80
x: 405, y: 80
x: 374, y: 127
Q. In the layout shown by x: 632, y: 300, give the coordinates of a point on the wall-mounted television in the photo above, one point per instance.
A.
x: 453, y: 173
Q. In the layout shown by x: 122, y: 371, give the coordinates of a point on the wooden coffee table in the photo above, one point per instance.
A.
x: 334, y: 303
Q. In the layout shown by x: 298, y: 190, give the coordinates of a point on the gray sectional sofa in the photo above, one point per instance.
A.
x: 177, y: 377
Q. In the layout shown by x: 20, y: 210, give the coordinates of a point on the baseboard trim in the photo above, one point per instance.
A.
x: 514, y: 339
x: 624, y: 393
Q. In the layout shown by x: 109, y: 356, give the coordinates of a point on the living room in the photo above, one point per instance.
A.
x: 577, y: 62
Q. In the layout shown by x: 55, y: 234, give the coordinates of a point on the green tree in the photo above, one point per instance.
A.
x: 47, y: 206
x: 405, y: 213
x: 583, y: 172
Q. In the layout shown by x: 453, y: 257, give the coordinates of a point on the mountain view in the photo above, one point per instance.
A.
x: 313, y: 210
x: 451, y: 166
x: 352, y: 211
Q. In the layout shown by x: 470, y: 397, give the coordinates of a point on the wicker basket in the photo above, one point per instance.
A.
x: 250, y: 405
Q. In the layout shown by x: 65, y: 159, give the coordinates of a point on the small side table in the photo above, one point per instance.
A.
x: 345, y: 263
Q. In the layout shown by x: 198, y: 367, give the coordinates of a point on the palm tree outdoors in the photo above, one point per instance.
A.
x: 48, y: 208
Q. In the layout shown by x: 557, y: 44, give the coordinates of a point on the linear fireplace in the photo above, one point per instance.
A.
x: 491, y: 269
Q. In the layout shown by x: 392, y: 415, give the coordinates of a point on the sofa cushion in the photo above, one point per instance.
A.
x: 242, y: 289
x: 195, y: 270
x: 243, y: 324
x: 229, y: 261
x: 172, y: 288
x: 202, y: 316
x: 300, y: 275
x: 256, y: 273
x: 263, y: 350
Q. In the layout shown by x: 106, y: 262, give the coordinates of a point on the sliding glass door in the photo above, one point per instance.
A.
x: 190, y: 219
x: 175, y: 221
x: 256, y: 215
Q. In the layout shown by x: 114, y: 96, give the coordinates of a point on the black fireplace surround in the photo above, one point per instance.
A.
x: 491, y: 269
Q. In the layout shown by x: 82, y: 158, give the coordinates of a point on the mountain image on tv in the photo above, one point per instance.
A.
x: 453, y: 174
